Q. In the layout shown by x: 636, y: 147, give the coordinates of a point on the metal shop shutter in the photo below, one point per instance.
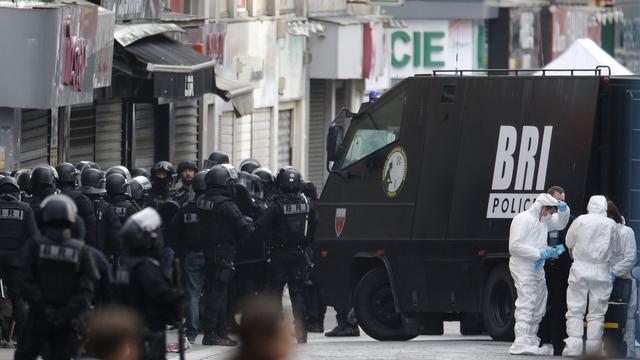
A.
x: 261, y: 136
x: 145, y: 135
x: 34, y: 144
x: 317, y: 125
x: 186, y: 130
x: 225, y: 133
x: 82, y: 133
x: 108, y: 142
x: 284, y: 138
x: 241, y: 139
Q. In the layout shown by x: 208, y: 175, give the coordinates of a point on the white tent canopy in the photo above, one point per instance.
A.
x: 585, y: 54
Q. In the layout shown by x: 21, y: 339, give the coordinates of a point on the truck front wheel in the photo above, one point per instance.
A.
x: 498, y: 304
x: 375, y: 310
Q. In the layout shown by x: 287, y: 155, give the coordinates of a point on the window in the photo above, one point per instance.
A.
x: 374, y: 129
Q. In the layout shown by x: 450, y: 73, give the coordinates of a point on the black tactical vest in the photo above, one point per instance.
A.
x: 292, y: 225
x: 12, y: 218
x: 57, y: 270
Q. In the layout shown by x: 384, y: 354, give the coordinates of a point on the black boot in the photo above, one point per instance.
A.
x: 315, y: 327
x: 342, y: 331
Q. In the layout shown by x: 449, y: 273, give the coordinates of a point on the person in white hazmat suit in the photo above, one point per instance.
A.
x: 621, y: 265
x: 528, y: 249
x: 592, y: 239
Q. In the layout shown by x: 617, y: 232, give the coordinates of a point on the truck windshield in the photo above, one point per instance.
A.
x: 374, y: 129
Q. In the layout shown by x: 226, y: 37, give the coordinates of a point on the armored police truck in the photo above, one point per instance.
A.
x: 424, y: 182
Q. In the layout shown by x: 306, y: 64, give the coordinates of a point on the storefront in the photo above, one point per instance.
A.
x: 36, y: 106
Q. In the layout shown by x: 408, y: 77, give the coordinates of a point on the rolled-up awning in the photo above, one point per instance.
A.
x: 240, y: 94
x: 174, y: 69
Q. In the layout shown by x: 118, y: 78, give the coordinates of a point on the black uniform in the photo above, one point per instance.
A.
x: 38, y: 195
x: 315, y: 305
x: 222, y: 227
x: 113, y: 212
x: 287, y: 221
x: 85, y: 211
x: 145, y: 287
x: 57, y: 283
x: 17, y: 228
x: 553, y: 327
x: 149, y: 291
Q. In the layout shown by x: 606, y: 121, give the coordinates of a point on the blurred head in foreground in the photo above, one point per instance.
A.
x: 264, y: 332
x: 114, y: 334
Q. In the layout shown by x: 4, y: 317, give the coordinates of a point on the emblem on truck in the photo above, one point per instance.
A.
x: 527, y: 160
x: 341, y: 219
x: 394, y: 172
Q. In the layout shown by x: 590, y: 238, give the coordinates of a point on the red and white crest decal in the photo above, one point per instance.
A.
x: 341, y: 218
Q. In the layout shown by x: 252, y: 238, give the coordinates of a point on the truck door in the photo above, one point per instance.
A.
x: 371, y: 194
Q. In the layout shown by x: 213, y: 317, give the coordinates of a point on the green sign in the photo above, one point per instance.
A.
x: 423, y: 49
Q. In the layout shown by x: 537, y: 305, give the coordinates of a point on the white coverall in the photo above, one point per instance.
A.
x: 621, y: 265
x: 592, y: 239
x: 527, y: 236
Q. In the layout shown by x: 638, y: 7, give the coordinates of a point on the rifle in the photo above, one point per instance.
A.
x: 177, y: 281
x: 309, y: 267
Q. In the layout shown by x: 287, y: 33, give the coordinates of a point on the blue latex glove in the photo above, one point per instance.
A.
x: 546, y: 253
x: 538, y: 264
x: 562, y: 206
x: 559, y: 249
x: 613, y: 277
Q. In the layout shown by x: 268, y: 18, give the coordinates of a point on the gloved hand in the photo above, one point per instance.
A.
x: 547, y: 253
x: 558, y: 249
x: 613, y: 277
x: 562, y: 206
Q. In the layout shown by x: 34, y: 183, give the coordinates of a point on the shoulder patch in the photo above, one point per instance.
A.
x: 292, y: 209
x: 59, y: 253
x: 190, y: 218
x: 11, y: 214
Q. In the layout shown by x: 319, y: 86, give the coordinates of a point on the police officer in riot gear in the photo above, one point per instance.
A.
x: 57, y: 280
x: 161, y: 178
x: 17, y: 227
x: 147, y: 289
x: 81, y: 165
x: 222, y: 227
x: 186, y: 171
x: 216, y: 158
x: 118, y: 169
x: 249, y: 165
x: 23, y: 177
x: 268, y: 182
x: 67, y: 182
x: 140, y: 187
x: 286, y: 220
x: 43, y: 184
x: 185, y: 229
x: 92, y: 181
x: 114, y: 211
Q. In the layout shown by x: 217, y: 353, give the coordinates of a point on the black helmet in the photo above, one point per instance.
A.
x: 119, y: 169
x: 43, y: 176
x: 199, y: 184
x: 140, y: 172
x: 139, y: 186
x: 58, y: 209
x: 82, y: 164
x: 92, y: 181
x: 249, y: 165
x: 23, y: 177
x: 184, y: 165
x: 68, y: 174
x: 265, y: 175
x: 289, y: 179
x: 117, y: 185
x: 216, y: 158
x: 309, y: 190
x: 141, y: 230
x: 9, y: 186
x: 5, y: 173
x: 162, y: 166
x: 221, y: 176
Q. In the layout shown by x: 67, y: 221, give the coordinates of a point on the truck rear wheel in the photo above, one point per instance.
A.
x: 498, y: 304
x: 375, y: 310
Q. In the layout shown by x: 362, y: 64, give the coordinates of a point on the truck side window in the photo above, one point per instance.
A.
x: 374, y: 129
